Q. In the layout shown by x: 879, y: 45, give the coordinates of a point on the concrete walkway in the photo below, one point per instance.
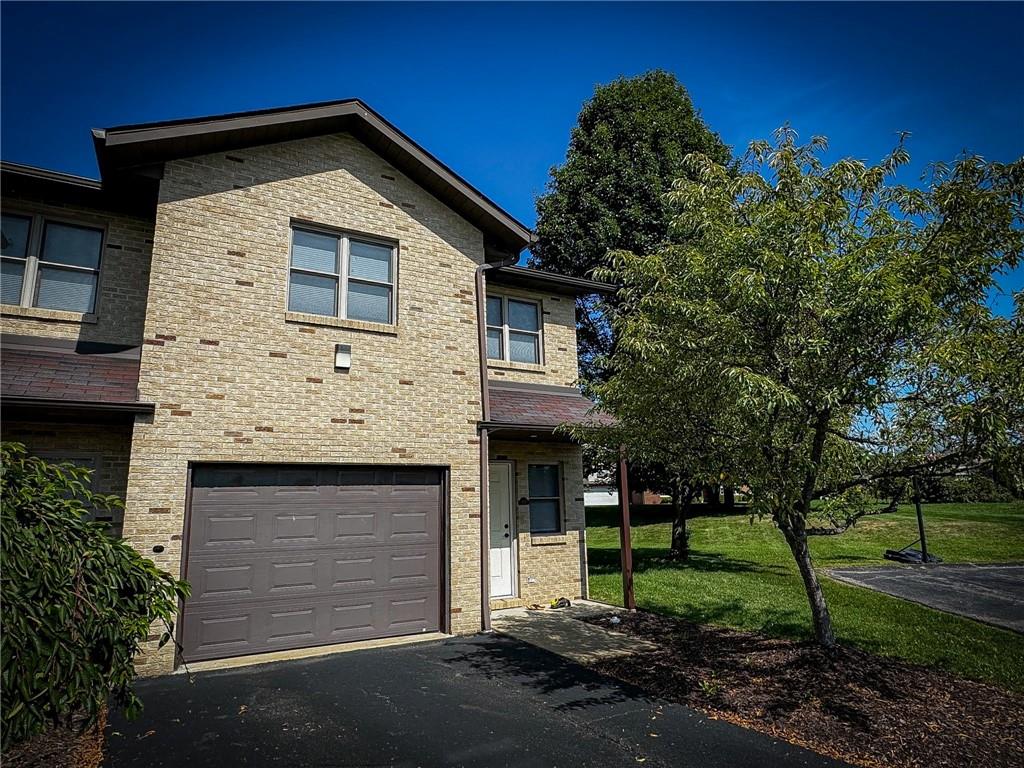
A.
x: 562, y: 632
x: 992, y: 593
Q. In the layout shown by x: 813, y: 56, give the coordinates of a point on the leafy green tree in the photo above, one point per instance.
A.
x: 77, y: 603
x: 819, y: 329
x: 626, y: 150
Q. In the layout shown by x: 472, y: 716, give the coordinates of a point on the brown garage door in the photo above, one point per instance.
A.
x: 293, y: 556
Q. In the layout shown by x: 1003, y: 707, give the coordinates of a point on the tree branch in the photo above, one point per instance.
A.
x: 850, y: 520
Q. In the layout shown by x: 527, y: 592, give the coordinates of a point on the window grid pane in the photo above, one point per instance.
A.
x: 67, y: 289
x: 11, y: 278
x: 522, y: 316
x: 370, y: 261
x: 545, y: 516
x: 494, y: 350
x: 523, y: 347
x: 315, y: 251
x: 313, y: 294
x: 71, y: 245
x: 14, y: 235
x: 369, y: 302
x: 494, y: 311
x: 543, y: 481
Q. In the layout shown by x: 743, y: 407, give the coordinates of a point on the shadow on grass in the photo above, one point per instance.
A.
x: 657, y: 514
x: 604, y: 561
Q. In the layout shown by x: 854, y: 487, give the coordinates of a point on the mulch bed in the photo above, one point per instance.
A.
x: 75, y: 746
x: 847, y: 704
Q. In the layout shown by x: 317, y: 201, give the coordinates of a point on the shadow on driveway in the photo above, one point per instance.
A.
x: 486, y: 701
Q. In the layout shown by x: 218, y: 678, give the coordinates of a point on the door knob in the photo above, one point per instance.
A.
x: 506, y: 535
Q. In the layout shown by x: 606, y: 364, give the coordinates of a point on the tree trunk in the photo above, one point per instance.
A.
x: 680, y: 549
x: 820, y: 616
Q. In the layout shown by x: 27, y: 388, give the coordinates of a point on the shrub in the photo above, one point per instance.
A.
x: 967, y: 489
x: 77, y: 603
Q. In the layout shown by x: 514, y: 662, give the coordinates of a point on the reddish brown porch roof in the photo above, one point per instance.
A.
x: 61, y: 373
x: 539, y: 406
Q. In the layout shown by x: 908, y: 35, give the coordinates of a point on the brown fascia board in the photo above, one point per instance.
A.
x: 524, y: 277
x: 58, y: 404
x: 44, y: 174
x: 132, y: 146
x: 136, y: 197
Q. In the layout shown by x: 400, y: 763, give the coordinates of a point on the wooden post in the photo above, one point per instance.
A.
x: 625, y: 543
x: 920, y: 520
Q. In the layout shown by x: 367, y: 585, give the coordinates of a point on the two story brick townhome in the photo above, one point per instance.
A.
x: 264, y: 331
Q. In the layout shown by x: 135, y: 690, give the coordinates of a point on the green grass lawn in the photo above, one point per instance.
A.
x: 742, y: 575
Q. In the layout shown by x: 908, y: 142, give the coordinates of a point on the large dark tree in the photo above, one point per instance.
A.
x: 610, y: 194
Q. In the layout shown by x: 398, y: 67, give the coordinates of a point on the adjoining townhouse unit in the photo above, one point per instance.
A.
x: 265, y: 331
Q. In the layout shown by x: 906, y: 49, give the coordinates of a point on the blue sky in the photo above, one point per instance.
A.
x: 493, y: 89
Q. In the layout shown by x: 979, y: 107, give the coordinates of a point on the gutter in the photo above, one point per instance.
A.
x: 92, y: 405
x: 485, y: 407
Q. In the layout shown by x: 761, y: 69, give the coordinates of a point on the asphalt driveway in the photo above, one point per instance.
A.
x: 992, y: 593
x: 486, y: 701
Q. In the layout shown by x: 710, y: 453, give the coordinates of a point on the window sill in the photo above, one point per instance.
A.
x: 337, y: 322
x: 60, y: 315
x: 547, y: 539
x: 510, y: 366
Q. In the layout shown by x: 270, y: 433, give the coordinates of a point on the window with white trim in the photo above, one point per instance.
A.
x: 513, y: 330
x: 341, y: 275
x: 544, y: 482
x: 49, y: 264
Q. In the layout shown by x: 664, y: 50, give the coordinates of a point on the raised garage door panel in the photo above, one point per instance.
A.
x: 288, y: 557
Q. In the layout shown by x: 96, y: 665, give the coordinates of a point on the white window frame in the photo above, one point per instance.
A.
x: 560, y: 498
x: 343, y: 277
x: 33, y: 258
x: 506, y: 352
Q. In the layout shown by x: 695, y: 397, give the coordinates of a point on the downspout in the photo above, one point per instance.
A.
x: 485, y: 408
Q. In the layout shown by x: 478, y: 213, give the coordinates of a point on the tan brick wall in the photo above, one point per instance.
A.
x: 559, y: 364
x: 109, y: 444
x: 124, y: 277
x: 234, y: 380
x: 550, y: 566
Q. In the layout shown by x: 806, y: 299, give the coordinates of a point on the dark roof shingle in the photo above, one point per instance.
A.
x: 548, y: 407
x: 54, y: 373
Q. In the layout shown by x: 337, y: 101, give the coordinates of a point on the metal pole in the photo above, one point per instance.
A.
x: 920, y: 521
x: 626, y: 545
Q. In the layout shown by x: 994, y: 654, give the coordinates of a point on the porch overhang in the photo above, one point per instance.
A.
x: 59, y: 380
x: 522, y: 411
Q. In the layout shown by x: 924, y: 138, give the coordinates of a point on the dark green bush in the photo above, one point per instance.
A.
x: 966, y: 489
x: 76, y: 602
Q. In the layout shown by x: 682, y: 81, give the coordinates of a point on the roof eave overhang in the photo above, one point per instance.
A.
x: 537, y: 279
x: 124, y: 148
x: 28, y: 182
x: 526, y: 431
x: 78, y: 405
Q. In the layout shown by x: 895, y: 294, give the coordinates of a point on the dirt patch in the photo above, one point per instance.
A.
x: 74, y: 746
x: 846, y: 704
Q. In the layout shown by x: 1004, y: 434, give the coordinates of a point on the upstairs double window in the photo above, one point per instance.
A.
x: 513, y: 330
x: 342, y: 276
x: 49, y: 264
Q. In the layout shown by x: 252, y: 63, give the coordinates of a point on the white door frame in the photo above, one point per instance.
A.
x: 512, y: 528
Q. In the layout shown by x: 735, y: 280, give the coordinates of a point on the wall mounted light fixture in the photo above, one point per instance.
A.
x: 342, y: 357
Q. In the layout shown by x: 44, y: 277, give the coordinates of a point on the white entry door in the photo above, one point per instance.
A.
x: 503, y: 533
